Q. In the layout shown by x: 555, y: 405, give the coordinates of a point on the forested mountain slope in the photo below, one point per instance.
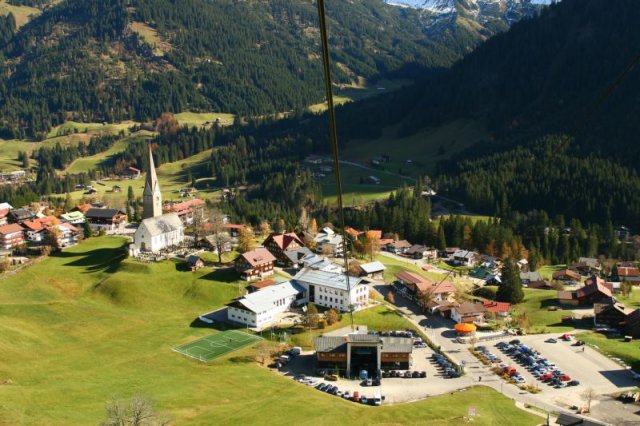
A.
x: 118, y: 59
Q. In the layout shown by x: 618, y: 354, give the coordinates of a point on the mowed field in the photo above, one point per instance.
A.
x: 80, y: 328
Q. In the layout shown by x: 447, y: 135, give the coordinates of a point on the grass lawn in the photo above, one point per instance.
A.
x: 629, y: 352
x: 201, y: 118
x: 422, y: 148
x: 632, y: 301
x: 82, y: 327
x: 542, y: 320
x: 547, y: 271
x: 395, y: 265
x: 23, y: 14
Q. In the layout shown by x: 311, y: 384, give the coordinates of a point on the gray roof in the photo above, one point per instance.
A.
x: 264, y: 299
x: 330, y: 343
x: 96, y: 213
x: 298, y: 254
x: 162, y: 224
x: 192, y: 259
x: 372, y: 267
x: 314, y: 261
x: 531, y: 276
x: 338, y: 343
x: 326, y: 279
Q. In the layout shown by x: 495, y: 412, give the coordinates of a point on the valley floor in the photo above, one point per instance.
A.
x: 88, y: 325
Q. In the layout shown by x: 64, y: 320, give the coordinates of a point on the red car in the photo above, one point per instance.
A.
x: 545, y: 376
x: 565, y: 378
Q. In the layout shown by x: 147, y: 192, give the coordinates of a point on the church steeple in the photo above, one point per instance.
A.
x: 151, y: 197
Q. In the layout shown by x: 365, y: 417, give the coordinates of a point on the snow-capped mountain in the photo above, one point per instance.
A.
x: 481, y: 11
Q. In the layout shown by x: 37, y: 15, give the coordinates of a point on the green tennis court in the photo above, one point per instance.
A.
x: 216, y: 345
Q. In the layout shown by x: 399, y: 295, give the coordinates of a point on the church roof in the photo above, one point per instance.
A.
x: 152, y: 179
x: 162, y: 224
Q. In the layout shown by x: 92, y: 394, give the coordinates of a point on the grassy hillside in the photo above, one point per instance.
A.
x: 23, y: 14
x: 79, y: 328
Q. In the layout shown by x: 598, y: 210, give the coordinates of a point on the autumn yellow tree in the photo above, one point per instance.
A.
x: 245, y: 240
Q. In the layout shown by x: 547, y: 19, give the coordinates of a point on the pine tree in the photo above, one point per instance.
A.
x: 510, y: 290
x: 442, y: 241
x: 87, y: 230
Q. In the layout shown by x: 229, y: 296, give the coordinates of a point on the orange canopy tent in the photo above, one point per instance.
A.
x: 465, y: 328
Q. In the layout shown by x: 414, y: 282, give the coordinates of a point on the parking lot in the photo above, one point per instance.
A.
x: 396, y: 389
x: 587, y: 366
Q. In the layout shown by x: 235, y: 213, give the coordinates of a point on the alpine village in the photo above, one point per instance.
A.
x: 223, y: 212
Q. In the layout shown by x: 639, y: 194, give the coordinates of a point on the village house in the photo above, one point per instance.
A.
x: 529, y: 277
x: 233, y: 229
x: 20, y: 216
x: 499, y: 309
x: 320, y: 263
x: 253, y: 287
x: 566, y: 275
x: 194, y: 262
x: 260, y: 308
x: 329, y: 243
x: 188, y: 211
x: 4, y: 217
x: 595, y: 290
x: 398, y: 247
x: 622, y: 232
x: 464, y: 258
x: 418, y: 288
x: 11, y: 236
x: 418, y: 251
x: 74, y: 218
x: 66, y: 234
x: 540, y: 285
x: 468, y: 313
x: 373, y: 270
x: 629, y: 273
x: 586, y: 266
x: 108, y: 220
x: 35, y: 229
x: 214, y: 242
x: 255, y: 264
x: 280, y: 244
x: 612, y: 315
x: 131, y: 173
x: 333, y: 290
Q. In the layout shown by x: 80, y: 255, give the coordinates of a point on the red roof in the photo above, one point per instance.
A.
x: 352, y: 232
x: 133, y: 169
x: 258, y: 256
x: 263, y: 284
x: 283, y: 241
x: 384, y: 241
x: 594, y: 285
x: 628, y: 271
x: 10, y: 229
x: 41, y: 223
x: 375, y: 233
x: 411, y: 278
x: 232, y: 226
x: 3, y: 213
x: 497, y: 307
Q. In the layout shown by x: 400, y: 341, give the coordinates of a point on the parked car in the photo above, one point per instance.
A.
x: 346, y: 395
x: 560, y: 384
x: 551, y: 340
x: 331, y: 377
x: 415, y: 374
x: 375, y: 382
x: 407, y: 374
x: 368, y: 382
x: 356, y: 396
x: 573, y: 383
x: 423, y: 374
x: 364, y: 400
x: 518, y: 379
x: 299, y: 377
x: 564, y: 378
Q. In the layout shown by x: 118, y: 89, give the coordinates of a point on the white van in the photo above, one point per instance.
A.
x: 377, y: 398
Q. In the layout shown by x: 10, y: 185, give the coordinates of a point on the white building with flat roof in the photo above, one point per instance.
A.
x: 259, y: 309
x: 332, y: 290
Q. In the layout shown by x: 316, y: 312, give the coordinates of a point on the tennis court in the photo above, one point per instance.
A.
x: 216, y: 345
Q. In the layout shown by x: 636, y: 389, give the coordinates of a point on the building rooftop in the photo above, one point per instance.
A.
x: 162, y: 224
x: 373, y: 267
x: 258, y: 256
x: 326, y: 279
x: 263, y: 300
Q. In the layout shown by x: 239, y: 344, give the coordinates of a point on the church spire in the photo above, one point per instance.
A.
x: 151, y: 197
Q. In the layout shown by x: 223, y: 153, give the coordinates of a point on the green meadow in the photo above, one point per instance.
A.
x: 82, y: 327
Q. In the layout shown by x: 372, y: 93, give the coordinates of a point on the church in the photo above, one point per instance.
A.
x: 157, y: 231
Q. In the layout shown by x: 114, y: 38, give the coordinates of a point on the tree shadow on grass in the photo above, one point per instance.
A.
x: 103, y: 259
x: 226, y: 275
